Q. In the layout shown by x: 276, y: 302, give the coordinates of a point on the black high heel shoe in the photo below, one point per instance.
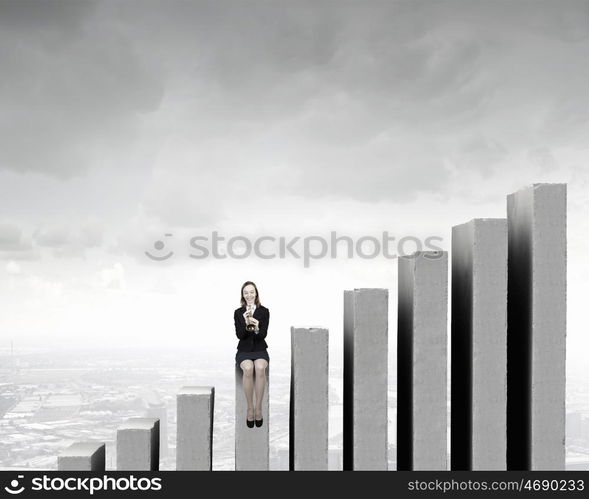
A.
x: 259, y: 422
x: 250, y: 424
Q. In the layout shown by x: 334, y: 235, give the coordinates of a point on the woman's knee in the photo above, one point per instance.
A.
x: 261, y: 368
x: 247, y: 367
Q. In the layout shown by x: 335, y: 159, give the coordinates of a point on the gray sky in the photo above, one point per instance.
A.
x: 123, y: 121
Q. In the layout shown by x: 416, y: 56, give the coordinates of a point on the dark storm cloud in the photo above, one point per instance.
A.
x: 14, y: 245
x: 67, y: 241
x: 366, y: 100
x: 62, y: 240
x: 52, y: 237
x: 10, y: 237
x: 39, y: 14
x: 73, y: 86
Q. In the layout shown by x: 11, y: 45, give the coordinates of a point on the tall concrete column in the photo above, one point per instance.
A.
x: 421, y: 361
x: 138, y: 445
x: 158, y: 410
x: 309, y: 399
x: 365, y: 422
x: 82, y: 456
x: 536, y: 331
x: 194, y: 436
x: 252, y: 445
x: 479, y: 345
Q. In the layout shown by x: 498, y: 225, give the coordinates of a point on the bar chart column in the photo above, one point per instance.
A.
x: 309, y: 399
x: 421, y: 361
x: 194, y: 438
x: 82, y: 456
x: 536, y: 331
x: 252, y: 445
x: 365, y: 439
x: 138, y: 445
x: 479, y: 345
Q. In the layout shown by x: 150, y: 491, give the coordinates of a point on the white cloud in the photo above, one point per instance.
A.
x: 13, y: 268
x: 113, y: 277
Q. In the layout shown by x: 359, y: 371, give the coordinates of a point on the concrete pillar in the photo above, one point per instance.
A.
x: 82, y: 456
x: 194, y: 436
x: 365, y: 379
x: 421, y: 361
x: 252, y: 445
x: 536, y: 330
x: 158, y: 410
x: 138, y: 445
x: 479, y: 345
x: 309, y: 399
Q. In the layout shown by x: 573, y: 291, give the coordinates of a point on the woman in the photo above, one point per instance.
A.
x: 251, y: 327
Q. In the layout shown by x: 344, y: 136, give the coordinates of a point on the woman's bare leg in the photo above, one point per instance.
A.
x: 247, y: 366
x: 260, y: 384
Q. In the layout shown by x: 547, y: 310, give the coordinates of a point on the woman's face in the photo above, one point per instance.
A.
x: 249, y: 294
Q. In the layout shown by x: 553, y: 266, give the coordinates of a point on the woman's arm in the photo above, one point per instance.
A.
x: 264, y: 321
x: 240, y: 329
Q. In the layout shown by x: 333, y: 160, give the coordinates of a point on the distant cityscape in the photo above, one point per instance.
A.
x: 48, y: 400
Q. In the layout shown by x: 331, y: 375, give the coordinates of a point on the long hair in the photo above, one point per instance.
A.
x: 242, y: 299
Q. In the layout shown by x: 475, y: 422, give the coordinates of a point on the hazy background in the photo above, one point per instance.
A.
x: 123, y: 121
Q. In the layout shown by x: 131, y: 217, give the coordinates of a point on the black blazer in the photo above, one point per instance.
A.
x: 248, y: 340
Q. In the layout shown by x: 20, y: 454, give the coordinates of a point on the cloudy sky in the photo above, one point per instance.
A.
x: 124, y: 121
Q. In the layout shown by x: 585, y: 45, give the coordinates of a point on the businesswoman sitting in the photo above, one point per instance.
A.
x: 251, y: 327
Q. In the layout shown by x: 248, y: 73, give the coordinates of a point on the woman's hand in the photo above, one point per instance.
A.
x: 249, y: 319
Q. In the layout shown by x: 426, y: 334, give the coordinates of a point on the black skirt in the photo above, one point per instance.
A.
x: 241, y: 356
